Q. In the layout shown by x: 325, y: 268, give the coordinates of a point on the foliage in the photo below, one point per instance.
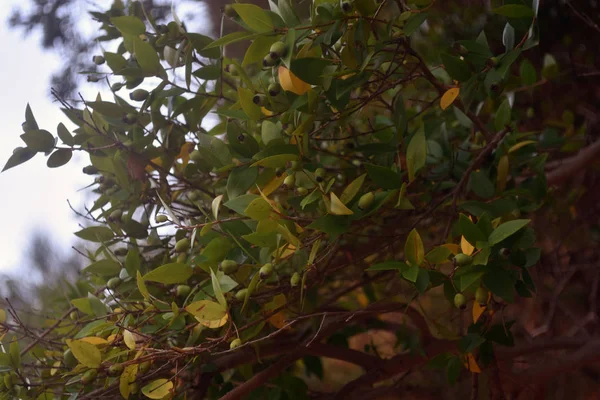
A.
x: 256, y: 212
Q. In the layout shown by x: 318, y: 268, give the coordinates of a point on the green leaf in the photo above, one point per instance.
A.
x: 170, y: 273
x: 352, y: 189
x: 15, y: 353
x: 103, y: 268
x: 502, y: 117
x: 309, y: 69
x: 470, y: 342
x: 95, y: 234
x: 257, y: 50
x: 86, y: 353
x: 383, y: 177
x: 258, y: 209
x: 255, y: 17
x: 135, y: 229
x: 147, y: 57
x: 411, y: 273
x: 288, y: 13
x: 240, y: 180
x: 514, y: 11
x: 200, y: 42
x: 481, y: 184
x: 280, y: 160
x: 414, y: 22
x: 158, y: 389
x: 208, y: 73
x: 239, y: 204
x: 470, y: 231
x: 142, y: 285
x: 38, y: 140
x: 59, y: 158
x: 455, y: 67
x: 97, y: 306
x: 270, y: 132
x: 19, y: 156
x: 439, y: 255
x: 388, y: 266
x: 506, y: 229
x: 500, y: 282
x: 527, y: 73
x: 400, y: 119
x: 30, y: 119
x: 65, y: 135
x: 262, y: 239
x: 413, y: 249
x: 422, y: 282
x: 217, y: 289
x: 246, y: 101
x: 416, y: 154
x: 83, y: 305
x: 230, y: 39
x: 333, y: 225
x: 129, y: 25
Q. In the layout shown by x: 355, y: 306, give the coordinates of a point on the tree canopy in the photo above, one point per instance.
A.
x: 258, y: 217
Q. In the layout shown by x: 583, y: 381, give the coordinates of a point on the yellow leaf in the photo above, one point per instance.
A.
x: 278, y: 320
x: 184, y: 154
x: 273, y: 184
x: 291, y: 82
x: 454, y: 248
x: 520, y: 145
x: 471, y: 364
x: 126, y: 379
x: 477, y: 311
x: 268, y: 113
x: 86, y: 353
x: 501, y: 177
x: 465, y: 246
x: 54, y: 368
x: 142, y: 286
x: 129, y: 339
x: 2, y: 316
x: 111, y: 338
x: 158, y: 389
x: 337, y: 207
x: 95, y: 340
x: 208, y: 313
x: 449, y: 97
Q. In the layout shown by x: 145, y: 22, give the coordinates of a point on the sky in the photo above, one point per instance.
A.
x: 34, y: 197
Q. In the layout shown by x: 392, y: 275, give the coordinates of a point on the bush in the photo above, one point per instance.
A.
x: 254, y: 216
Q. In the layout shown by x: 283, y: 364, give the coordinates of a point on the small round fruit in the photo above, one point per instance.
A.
x: 320, y: 174
x: 274, y: 89
x: 259, y: 99
x: 144, y: 367
x: 161, y: 218
x: 183, y: 290
x: 481, y: 296
x: 278, y: 50
x: 346, y: 6
x: 69, y: 359
x: 289, y: 181
x: 90, y: 170
x: 182, y: 245
x: 134, y: 388
x: 98, y: 60
x: 193, y: 195
x: 115, y: 87
x: 115, y: 216
x: 269, y: 61
x: 89, y: 377
x: 182, y: 258
x: 266, y: 271
x: 460, y: 301
x: 240, y: 295
x: 230, y: 11
x: 462, y: 259
x: 113, y: 283
x: 74, y: 315
x: 115, y: 370
x: 279, y: 171
x: 302, y: 191
x: 130, y: 118
x: 229, y: 266
x: 139, y: 95
x: 504, y: 252
x: 196, y: 156
x: 295, y: 279
x: 235, y: 343
x: 295, y: 166
x: 232, y: 69
x: 366, y: 201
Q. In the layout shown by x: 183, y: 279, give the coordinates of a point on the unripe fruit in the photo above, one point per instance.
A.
x: 183, y: 290
x: 69, y: 359
x: 229, y: 266
x: 274, y: 89
x: 181, y: 258
x: 462, y: 259
x: 90, y: 170
x: 366, y: 201
x: 289, y: 181
x: 139, y: 95
x: 113, y: 283
x: 460, y: 301
x: 193, y: 195
x: 115, y: 87
x: 277, y: 50
x: 115, y: 370
x: 93, y: 78
x: 196, y: 156
x: 98, y: 60
x: 232, y: 69
x: 295, y: 166
x: 144, y: 367
x: 504, y: 252
x: 269, y: 61
x: 241, y: 294
x: 266, y: 271
x: 134, y: 388
x: 121, y: 251
x: 161, y: 218
x: 182, y: 245
x: 481, y: 296
x: 74, y: 315
x: 229, y: 11
x: 89, y: 377
x: 130, y: 118
x: 235, y: 343
x: 320, y: 174
x: 259, y: 99
x: 302, y: 191
x: 115, y: 216
x: 346, y: 6
x: 295, y: 279
x: 279, y: 171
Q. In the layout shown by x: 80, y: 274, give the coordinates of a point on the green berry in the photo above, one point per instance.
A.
x: 229, y: 266
x: 183, y: 290
x: 89, y: 377
x: 98, y: 60
x: 235, y: 343
x: 295, y: 279
x: 144, y: 367
x: 181, y: 258
x: 115, y: 216
x: 277, y: 50
x: 115, y: 370
x: 196, y: 156
x: 320, y: 174
x: 115, y: 87
x: 232, y: 69
x: 274, y: 89
x: 259, y: 99
x: 130, y: 119
x: 504, y: 252
x: 289, y: 181
x: 266, y: 271
x: 346, y: 6
x: 462, y: 259
x: 74, y: 315
x: 481, y: 296
x: 302, y: 191
x: 460, y: 301
x: 113, y: 283
x: 90, y: 170
x: 295, y: 166
x: 230, y: 11
x: 366, y: 201
x: 161, y: 218
x: 193, y: 195
x: 269, y: 61
x: 139, y: 95
x: 240, y: 295
x: 134, y: 388
x: 182, y: 245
